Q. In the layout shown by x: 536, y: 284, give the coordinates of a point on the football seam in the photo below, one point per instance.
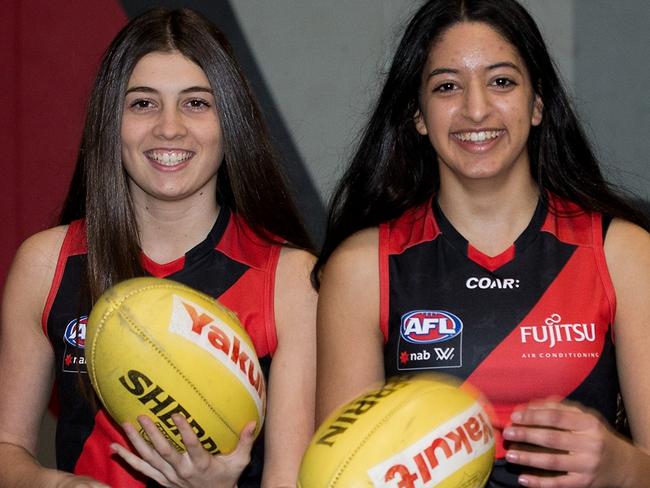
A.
x: 345, y: 464
x: 341, y: 469
x: 115, y: 304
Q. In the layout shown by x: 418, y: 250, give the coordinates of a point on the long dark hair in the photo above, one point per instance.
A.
x: 394, y: 168
x: 249, y: 180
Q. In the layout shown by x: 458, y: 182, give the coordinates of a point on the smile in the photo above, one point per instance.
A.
x: 477, y: 136
x: 169, y: 158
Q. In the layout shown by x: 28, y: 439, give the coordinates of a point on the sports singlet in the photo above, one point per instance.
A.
x: 231, y: 264
x: 531, y: 322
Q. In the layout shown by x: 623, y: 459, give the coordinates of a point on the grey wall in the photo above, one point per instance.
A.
x: 612, y: 85
x: 323, y: 62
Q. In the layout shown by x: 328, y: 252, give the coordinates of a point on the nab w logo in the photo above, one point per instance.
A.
x: 429, y: 326
x: 444, y: 354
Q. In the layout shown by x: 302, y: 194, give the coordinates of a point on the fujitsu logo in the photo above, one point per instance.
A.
x: 554, y: 331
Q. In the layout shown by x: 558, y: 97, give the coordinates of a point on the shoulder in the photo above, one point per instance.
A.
x: 627, y: 253
x: 41, y: 249
x: 359, y: 246
x: 293, y: 273
x: 351, y: 274
x: 626, y: 244
x: 295, y: 297
x: 32, y: 271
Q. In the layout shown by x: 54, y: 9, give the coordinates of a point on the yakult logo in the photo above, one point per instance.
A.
x: 554, y: 331
x: 212, y: 334
x: 438, y: 454
x: 429, y: 326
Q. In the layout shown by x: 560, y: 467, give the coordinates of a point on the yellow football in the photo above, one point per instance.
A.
x: 417, y: 431
x: 158, y: 347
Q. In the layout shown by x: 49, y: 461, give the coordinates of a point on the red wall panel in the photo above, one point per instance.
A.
x: 50, y: 52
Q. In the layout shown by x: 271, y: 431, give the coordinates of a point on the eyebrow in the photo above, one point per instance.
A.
x: 503, y: 64
x: 191, y: 89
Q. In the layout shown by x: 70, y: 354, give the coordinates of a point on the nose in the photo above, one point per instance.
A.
x: 477, y: 103
x: 170, y: 124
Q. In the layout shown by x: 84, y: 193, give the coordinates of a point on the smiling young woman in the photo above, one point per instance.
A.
x: 474, y: 170
x: 173, y: 179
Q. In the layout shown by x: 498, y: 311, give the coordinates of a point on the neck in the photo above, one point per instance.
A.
x: 169, y: 229
x: 490, y: 217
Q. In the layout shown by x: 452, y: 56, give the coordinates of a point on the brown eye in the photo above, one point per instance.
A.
x: 503, y: 82
x: 198, y: 104
x: 445, y: 87
x: 141, y: 105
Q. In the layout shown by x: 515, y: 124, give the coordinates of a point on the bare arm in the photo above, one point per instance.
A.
x: 290, y: 416
x: 26, y: 362
x: 627, y: 249
x: 350, y: 343
x: 593, y: 455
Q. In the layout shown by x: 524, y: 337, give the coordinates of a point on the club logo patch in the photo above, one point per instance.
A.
x: 429, y: 326
x: 75, y: 332
x: 74, y: 339
x: 429, y: 339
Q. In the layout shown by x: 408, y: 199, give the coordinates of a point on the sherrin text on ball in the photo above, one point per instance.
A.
x: 158, y: 347
x: 416, y: 431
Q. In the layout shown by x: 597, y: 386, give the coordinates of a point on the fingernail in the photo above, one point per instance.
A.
x: 513, y: 457
x: 516, y: 416
x: 508, y: 433
x: 523, y: 481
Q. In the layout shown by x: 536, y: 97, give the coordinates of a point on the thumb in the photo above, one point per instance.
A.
x: 246, y: 439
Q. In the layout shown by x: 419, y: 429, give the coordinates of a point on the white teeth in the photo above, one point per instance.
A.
x: 477, y: 136
x: 169, y: 158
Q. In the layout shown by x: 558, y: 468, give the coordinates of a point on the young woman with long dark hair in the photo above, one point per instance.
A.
x: 474, y: 234
x: 175, y: 178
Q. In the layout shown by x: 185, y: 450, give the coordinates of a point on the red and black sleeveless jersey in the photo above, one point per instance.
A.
x: 231, y: 264
x: 532, y: 322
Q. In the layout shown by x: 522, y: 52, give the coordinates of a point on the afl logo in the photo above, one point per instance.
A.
x: 75, y: 332
x: 429, y: 326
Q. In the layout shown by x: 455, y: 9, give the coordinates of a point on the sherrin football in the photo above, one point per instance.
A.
x: 417, y: 431
x: 157, y: 347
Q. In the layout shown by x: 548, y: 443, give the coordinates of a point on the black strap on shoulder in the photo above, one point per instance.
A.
x: 606, y: 220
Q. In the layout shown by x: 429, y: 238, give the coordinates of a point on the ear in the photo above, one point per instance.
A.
x: 538, y: 111
x: 420, y: 126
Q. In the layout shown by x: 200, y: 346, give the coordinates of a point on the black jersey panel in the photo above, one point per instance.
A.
x: 477, y: 308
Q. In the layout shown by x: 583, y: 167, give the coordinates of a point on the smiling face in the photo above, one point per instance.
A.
x: 171, y: 135
x: 477, y: 104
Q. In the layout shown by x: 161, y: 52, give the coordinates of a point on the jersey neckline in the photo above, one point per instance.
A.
x: 458, y: 241
x: 204, y: 247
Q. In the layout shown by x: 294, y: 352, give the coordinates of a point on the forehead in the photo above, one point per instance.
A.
x: 472, y: 45
x: 165, y: 68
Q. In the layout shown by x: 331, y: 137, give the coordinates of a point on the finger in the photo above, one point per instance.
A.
x: 551, y: 480
x: 543, y: 438
x: 558, y: 463
x: 242, y: 453
x: 137, y: 441
x: 198, y: 455
x: 148, y: 451
x: 555, y: 418
x: 160, y: 443
x: 139, y: 465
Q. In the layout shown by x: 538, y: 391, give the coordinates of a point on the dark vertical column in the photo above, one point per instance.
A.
x: 221, y: 13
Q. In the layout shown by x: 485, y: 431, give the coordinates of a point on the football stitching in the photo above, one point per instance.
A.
x: 115, y: 304
x: 342, y: 468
